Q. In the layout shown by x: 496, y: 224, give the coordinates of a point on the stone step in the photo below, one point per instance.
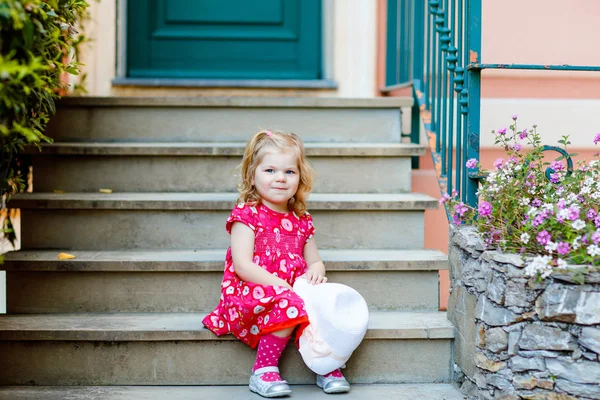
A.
x: 189, y: 281
x: 211, y: 167
x: 219, y: 119
x: 174, y: 349
x: 177, y: 221
x: 440, y: 391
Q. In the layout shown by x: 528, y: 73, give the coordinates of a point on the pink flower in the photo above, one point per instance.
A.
x: 445, y: 198
x: 596, y: 237
x: 554, y: 178
x: 517, y: 147
x: 597, y: 138
x: 543, y: 237
x: 591, y: 214
x: 573, y: 213
x: 514, y: 117
x: 484, y: 208
x: 471, y: 163
x: 523, y: 134
x: 502, y: 131
x: 498, y: 163
x: 562, y: 248
x: 556, y: 165
x: 460, y: 208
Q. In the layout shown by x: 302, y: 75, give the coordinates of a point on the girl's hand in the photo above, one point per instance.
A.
x: 315, y: 277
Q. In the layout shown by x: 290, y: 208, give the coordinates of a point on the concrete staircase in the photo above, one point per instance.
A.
x: 126, y: 313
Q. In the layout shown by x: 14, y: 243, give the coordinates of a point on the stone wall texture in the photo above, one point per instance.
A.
x: 517, y: 337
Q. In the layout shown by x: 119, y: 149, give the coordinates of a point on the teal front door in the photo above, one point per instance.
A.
x: 224, y: 39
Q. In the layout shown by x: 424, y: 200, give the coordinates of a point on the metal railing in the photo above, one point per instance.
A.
x: 434, y: 46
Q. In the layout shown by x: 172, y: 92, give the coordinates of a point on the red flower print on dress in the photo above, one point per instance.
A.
x: 258, y: 309
x: 283, y: 303
x: 233, y: 314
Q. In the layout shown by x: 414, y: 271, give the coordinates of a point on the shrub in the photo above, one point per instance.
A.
x: 36, y: 47
x: 546, y: 211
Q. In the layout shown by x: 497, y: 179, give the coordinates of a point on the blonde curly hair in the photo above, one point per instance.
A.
x: 253, y: 155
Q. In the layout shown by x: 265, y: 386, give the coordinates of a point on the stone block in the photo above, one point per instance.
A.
x: 496, y: 340
x: 494, y: 315
x: 519, y: 364
x: 590, y: 339
x: 461, y: 312
x: 578, y: 372
x: 500, y: 382
x: 525, y: 382
x: 489, y: 365
x: 592, y: 390
x: 513, y: 342
x: 575, y: 305
x: 539, y: 353
x: 544, y: 395
x: 541, y: 337
x: 496, y: 289
x: 517, y: 295
x: 504, y: 258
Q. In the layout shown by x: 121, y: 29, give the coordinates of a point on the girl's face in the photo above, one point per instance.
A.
x: 276, y: 178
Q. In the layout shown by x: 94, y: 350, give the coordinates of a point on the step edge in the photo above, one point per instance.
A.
x: 235, y: 102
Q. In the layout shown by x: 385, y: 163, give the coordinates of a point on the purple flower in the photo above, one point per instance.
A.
x: 597, y: 138
x: 597, y: 221
x: 471, y: 163
x: 561, y: 204
x: 596, y: 237
x: 456, y: 220
x: 514, y: 117
x: 523, y: 134
x: 498, y: 163
x: 502, y: 131
x: 556, y: 165
x: 538, y: 220
x: 591, y: 214
x: 460, y: 208
x: 543, y: 237
x: 484, y: 208
x: 573, y: 213
x: 562, y: 248
x: 536, y: 202
x: 445, y: 198
x: 517, y: 147
x: 554, y: 178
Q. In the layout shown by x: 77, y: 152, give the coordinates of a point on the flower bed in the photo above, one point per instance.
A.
x: 548, y: 212
x: 521, y: 337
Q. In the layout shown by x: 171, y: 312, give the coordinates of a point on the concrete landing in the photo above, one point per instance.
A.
x: 300, y: 392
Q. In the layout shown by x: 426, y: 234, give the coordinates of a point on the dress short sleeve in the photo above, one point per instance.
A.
x: 310, y: 228
x: 242, y: 213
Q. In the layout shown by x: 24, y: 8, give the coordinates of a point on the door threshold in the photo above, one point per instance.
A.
x: 228, y: 83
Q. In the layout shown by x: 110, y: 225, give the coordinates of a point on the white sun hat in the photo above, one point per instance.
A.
x: 338, y: 317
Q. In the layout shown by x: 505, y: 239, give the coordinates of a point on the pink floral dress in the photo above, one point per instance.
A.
x: 249, y: 310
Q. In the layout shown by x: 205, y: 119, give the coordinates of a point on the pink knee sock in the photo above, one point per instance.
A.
x: 269, y: 350
x: 336, y: 374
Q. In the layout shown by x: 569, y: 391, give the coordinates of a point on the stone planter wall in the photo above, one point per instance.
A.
x: 517, y: 338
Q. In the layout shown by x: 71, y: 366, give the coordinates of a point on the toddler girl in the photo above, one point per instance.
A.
x: 272, y: 245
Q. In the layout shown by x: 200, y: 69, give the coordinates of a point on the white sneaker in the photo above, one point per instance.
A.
x: 268, y: 389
